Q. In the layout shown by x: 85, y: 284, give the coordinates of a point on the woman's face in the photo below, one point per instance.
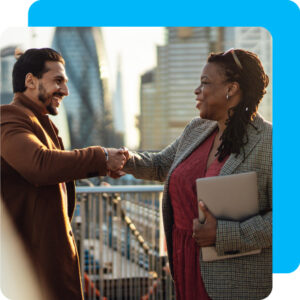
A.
x: 211, y: 94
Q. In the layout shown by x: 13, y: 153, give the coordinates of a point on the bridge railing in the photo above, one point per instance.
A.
x: 119, y: 236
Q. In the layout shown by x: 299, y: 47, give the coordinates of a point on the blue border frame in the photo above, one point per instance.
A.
x: 282, y: 19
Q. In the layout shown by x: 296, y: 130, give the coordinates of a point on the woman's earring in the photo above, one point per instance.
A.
x: 227, y: 96
x: 246, y: 108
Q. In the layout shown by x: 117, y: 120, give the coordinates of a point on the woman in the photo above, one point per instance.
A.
x: 229, y: 137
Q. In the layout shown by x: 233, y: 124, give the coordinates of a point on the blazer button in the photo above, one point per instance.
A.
x: 70, y: 233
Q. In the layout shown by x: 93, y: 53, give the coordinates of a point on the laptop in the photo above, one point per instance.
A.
x: 232, y: 197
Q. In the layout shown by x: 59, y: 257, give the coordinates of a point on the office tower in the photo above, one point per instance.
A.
x: 87, y: 106
x: 259, y: 41
x: 179, y: 65
x: 8, y: 60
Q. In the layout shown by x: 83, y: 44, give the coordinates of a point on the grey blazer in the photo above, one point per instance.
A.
x: 247, y: 277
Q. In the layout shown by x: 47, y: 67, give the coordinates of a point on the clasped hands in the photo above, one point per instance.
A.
x: 117, y: 158
x: 205, y: 234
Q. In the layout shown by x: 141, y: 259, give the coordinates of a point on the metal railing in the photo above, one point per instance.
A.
x: 119, y: 239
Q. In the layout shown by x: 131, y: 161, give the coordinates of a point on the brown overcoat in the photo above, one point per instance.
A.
x: 33, y: 163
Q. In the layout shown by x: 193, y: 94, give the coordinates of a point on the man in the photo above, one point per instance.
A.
x: 37, y: 174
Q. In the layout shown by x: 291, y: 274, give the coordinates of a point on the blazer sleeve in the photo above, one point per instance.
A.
x: 235, y: 237
x: 152, y: 166
x: 24, y: 152
x: 156, y: 166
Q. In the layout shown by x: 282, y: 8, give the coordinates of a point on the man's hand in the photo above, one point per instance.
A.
x: 116, y: 159
x: 205, y: 234
x: 118, y: 173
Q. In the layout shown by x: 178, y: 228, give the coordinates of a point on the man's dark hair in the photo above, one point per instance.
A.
x: 32, y: 61
x: 253, y: 82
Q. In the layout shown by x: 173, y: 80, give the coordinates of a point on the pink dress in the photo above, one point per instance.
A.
x: 182, y: 190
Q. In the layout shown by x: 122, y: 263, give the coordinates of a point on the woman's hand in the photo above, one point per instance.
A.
x: 205, y: 234
x: 119, y: 173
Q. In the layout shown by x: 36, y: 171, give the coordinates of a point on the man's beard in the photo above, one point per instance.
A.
x: 43, y: 97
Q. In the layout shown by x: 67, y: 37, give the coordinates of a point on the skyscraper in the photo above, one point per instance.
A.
x: 179, y: 64
x: 86, y: 107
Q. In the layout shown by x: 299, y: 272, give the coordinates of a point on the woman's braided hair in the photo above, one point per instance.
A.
x: 253, y: 81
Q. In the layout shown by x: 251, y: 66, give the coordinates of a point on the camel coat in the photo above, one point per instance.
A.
x: 243, y: 278
x: 33, y: 164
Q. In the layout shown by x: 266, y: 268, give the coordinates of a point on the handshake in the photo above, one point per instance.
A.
x: 115, y: 161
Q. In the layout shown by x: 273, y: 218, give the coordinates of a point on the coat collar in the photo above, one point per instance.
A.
x: 21, y: 99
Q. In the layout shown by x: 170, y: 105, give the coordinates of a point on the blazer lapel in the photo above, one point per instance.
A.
x: 198, y: 135
x: 253, y: 138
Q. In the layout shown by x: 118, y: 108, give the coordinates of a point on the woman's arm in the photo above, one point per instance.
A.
x: 152, y: 166
x: 155, y: 166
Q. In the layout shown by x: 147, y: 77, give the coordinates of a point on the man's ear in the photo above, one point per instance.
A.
x: 30, y: 81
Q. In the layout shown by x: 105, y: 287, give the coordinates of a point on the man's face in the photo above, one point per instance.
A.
x: 52, y: 87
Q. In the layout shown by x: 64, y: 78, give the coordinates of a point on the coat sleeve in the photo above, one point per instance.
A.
x: 24, y: 152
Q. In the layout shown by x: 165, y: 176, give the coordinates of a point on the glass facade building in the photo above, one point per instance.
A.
x: 82, y: 49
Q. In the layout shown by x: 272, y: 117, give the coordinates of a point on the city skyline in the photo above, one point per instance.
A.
x: 135, y: 45
x: 137, y: 59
